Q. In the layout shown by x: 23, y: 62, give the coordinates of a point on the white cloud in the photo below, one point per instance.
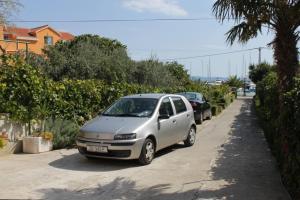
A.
x: 167, y: 7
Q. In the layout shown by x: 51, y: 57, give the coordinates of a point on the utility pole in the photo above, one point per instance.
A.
x: 27, y: 54
x: 190, y: 70
x: 209, y: 72
x: 202, y: 68
x: 244, y: 65
x: 229, y: 68
x: 259, y: 55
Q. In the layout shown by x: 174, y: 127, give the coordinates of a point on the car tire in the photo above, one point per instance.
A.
x: 200, y: 120
x: 210, y: 115
x: 148, y: 152
x: 191, y: 138
x: 90, y: 158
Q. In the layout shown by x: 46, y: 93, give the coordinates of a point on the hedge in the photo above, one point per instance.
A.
x: 29, y: 96
x: 282, y: 130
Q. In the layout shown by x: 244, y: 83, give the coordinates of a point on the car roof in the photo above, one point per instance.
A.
x: 149, y: 95
x: 189, y: 93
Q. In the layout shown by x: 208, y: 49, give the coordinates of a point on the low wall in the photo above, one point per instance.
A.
x: 15, y: 131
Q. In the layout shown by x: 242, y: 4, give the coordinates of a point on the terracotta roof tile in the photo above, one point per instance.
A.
x: 27, y: 32
x: 66, y: 36
x: 22, y: 32
x: 38, y: 28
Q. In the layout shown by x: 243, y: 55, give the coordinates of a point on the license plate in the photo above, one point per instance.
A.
x: 100, y: 149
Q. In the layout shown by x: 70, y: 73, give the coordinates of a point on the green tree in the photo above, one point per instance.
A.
x: 22, y: 90
x: 258, y: 72
x: 7, y: 9
x: 177, y: 70
x: 234, y: 81
x: 87, y: 57
x: 281, y: 16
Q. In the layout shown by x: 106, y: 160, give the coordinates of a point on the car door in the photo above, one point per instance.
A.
x: 166, y: 127
x: 182, y: 118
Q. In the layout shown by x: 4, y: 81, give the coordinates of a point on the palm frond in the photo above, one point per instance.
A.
x: 242, y: 32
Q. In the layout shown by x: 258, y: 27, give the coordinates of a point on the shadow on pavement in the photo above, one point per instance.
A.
x: 78, y: 162
x: 244, y: 163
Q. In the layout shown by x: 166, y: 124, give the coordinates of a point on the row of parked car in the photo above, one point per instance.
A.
x: 137, y: 126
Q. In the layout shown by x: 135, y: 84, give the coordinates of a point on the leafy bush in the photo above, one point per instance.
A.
x: 234, y: 81
x: 215, y: 110
x: 282, y: 130
x: 63, y: 106
x: 64, y: 132
x: 22, y: 90
x: 3, y: 142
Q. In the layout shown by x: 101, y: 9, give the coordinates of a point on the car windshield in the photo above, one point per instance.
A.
x: 132, y: 107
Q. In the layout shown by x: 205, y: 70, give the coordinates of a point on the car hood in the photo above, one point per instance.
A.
x: 104, y: 127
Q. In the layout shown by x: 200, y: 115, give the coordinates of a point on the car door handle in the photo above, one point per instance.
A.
x: 188, y: 115
x: 174, y: 120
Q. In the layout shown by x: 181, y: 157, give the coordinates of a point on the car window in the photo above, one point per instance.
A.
x: 189, y: 96
x: 179, y: 104
x: 200, y: 97
x: 166, y: 107
x: 132, y: 107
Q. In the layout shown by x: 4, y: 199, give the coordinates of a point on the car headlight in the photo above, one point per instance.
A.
x: 125, y: 136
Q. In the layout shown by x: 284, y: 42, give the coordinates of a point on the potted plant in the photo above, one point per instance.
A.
x: 38, y: 142
x: 3, y: 139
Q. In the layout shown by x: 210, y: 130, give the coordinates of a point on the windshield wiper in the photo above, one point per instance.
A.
x: 127, y: 115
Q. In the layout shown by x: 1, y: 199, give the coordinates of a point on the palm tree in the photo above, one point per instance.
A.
x: 281, y: 16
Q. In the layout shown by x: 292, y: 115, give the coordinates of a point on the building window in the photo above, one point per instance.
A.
x: 6, y: 37
x: 48, y: 40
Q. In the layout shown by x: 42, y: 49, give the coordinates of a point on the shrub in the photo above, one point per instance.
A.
x: 282, y: 130
x: 64, y: 132
x: 3, y: 142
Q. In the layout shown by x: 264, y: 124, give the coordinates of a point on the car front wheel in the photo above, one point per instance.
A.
x: 148, y: 152
x: 191, y: 138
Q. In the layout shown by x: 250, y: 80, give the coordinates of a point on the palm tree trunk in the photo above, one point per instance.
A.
x: 286, y: 56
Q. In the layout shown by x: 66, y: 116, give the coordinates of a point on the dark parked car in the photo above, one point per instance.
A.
x: 201, y: 107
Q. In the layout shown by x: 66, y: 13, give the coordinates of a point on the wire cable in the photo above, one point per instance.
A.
x: 210, y: 55
x: 111, y: 20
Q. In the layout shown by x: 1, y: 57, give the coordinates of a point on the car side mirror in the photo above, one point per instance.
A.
x: 165, y: 116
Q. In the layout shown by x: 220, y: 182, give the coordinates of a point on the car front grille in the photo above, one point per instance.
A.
x: 107, y: 143
x: 111, y: 153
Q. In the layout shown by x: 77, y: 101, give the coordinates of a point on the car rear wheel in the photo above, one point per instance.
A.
x: 191, y: 138
x: 209, y: 115
x: 200, y: 120
x: 147, y: 153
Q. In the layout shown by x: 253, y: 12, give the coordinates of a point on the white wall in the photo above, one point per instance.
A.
x: 14, y: 130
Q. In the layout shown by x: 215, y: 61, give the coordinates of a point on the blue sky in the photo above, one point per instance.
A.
x: 163, y: 40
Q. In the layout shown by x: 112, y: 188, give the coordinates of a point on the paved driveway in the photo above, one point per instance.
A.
x: 230, y: 160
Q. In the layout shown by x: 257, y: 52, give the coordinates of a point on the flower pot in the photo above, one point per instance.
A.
x: 36, y: 144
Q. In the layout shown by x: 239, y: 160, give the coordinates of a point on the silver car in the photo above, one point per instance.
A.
x: 137, y: 126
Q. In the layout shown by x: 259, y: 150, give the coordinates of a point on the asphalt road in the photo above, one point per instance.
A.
x: 230, y: 160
